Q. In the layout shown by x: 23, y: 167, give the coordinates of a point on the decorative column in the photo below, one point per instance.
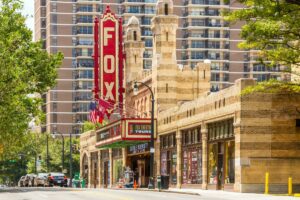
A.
x: 110, y: 167
x: 99, y: 169
x: 90, y: 170
x: 238, y: 157
x: 179, y: 158
x: 124, y: 157
x: 157, y: 156
x: 204, y: 133
x: 81, y: 162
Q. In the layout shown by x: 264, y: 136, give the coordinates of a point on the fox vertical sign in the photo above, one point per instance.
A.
x: 110, y: 58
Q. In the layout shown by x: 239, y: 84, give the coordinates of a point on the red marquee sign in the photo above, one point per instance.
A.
x: 110, y: 58
x: 110, y: 67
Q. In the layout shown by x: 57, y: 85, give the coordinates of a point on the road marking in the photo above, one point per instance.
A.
x: 44, y: 196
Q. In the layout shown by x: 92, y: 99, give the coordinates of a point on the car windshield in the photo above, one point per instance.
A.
x: 57, y: 174
x: 42, y: 175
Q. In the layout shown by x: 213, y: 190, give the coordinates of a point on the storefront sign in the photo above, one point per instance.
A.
x: 139, y: 128
x: 110, y: 132
x: 139, y: 148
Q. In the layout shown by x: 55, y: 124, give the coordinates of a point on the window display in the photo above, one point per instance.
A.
x: 229, y: 165
x: 163, y: 164
x: 192, y: 166
x: 117, y: 170
x: 212, y: 163
x: 173, y: 169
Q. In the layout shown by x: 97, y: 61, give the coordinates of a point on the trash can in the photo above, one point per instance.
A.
x: 159, y: 182
x: 82, y: 183
x: 165, y: 180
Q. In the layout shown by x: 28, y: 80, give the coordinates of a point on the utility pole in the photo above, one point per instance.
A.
x: 47, y: 159
x: 71, y: 159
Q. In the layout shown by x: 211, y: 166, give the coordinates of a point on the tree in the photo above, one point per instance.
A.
x: 88, y: 126
x: 271, y: 26
x: 26, y: 71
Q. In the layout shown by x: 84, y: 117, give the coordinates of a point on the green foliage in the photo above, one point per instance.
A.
x: 272, y: 86
x: 88, y: 126
x: 25, y: 68
x: 272, y: 27
x: 35, y: 146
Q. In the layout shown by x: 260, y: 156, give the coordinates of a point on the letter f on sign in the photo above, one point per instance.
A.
x: 107, y: 35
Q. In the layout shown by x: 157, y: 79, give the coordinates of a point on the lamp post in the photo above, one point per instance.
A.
x: 71, y: 159
x: 47, y: 159
x: 135, y: 90
x: 62, y: 151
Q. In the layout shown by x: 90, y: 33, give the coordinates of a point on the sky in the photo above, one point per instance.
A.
x: 29, y: 10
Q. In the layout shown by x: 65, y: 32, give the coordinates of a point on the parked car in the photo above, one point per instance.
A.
x: 21, y: 181
x: 29, y: 180
x: 57, y: 179
x: 41, y: 180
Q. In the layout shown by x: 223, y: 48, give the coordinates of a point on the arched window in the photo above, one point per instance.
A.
x: 166, y: 9
x: 134, y: 36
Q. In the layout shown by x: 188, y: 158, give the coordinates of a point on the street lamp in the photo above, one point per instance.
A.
x: 62, y: 151
x: 135, y: 91
x: 71, y: 159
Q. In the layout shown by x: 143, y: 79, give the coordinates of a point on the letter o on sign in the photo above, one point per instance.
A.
x: 112, y: 64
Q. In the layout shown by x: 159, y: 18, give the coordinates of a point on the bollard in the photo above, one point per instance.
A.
x: 267, y: 183
x: 159, y: 183
x: 290, y: 186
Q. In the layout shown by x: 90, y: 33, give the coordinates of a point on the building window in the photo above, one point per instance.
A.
x: 166, y: 9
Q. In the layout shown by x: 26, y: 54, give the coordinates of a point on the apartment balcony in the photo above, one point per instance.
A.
x: 84, y: 43
x: 87, y: 1
x: 85, y: 65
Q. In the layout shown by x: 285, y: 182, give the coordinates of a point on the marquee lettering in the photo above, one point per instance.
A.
x: 107, y: 35
x: 111, y: 58
x: 109, y: 88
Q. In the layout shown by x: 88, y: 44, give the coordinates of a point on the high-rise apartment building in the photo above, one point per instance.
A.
x: 67, y: 26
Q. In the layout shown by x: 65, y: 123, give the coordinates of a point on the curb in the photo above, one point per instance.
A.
x: 155, y: 190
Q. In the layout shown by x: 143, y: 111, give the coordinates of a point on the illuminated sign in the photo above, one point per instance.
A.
x: 139, y: 128
x: 109, y: 58
x: 139, y: 148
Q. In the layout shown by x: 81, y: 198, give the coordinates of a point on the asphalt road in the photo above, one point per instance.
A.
x: 108, y: 194
x: 90, y: 194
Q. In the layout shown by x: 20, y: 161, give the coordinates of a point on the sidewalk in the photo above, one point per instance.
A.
x: 219, y: 194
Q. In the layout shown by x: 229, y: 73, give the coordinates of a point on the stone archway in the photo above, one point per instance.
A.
x: 85, y: 168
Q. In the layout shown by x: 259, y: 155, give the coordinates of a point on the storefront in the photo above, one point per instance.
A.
x: 221, y: 155
x: 95, y: 175
x: 132, y: 135
x: 105, y: 168
x: 138, y: 160
x: 168, y: 157
x: 118, y: 171
x: 192, y: 157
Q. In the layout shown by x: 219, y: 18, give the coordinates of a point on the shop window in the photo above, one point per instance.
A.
x: 220, y: 130
x: 212, y: 163
x: 117, y: 170
x: 192, y: 166
x: 229, y: 162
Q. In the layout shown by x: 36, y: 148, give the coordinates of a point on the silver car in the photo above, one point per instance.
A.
x: 41, y: 180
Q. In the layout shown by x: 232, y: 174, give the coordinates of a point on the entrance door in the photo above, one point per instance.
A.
x: 95, y: 175
x: 220, y: 171
x: 105, y: 174
x: 141, y: 172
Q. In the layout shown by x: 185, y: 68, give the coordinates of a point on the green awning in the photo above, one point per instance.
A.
x: 121, y: 144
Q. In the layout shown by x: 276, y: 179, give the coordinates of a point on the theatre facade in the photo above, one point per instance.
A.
x: 210, y: 140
